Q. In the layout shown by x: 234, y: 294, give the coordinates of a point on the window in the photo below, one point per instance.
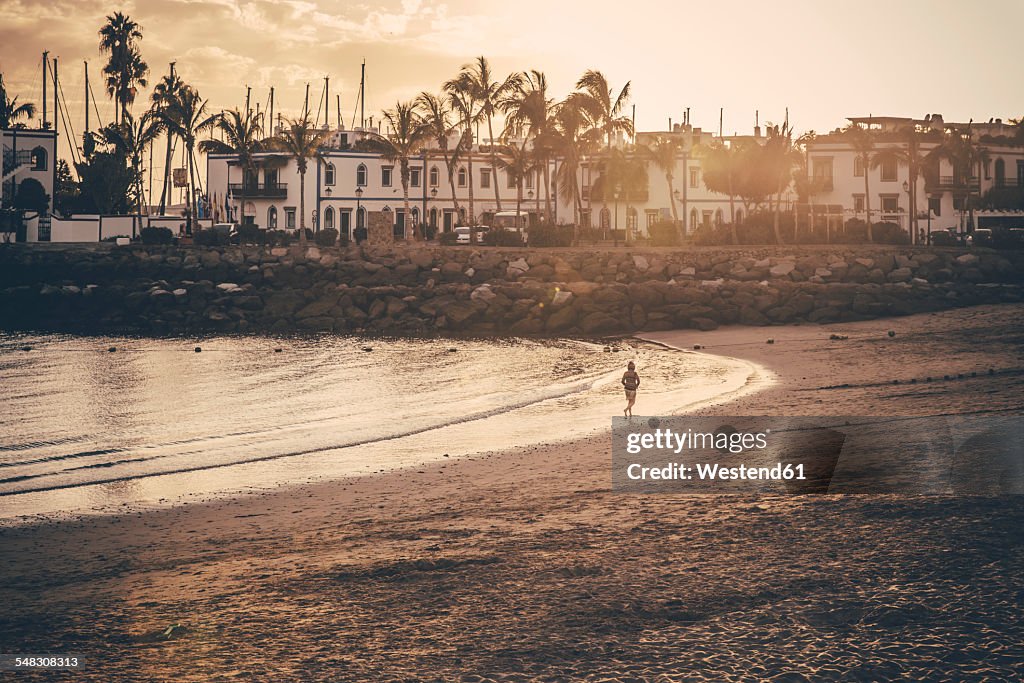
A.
x: 585, y: 218
x: 652, y: 217
x: 888, y: 170
x: 718, y: 217
x: 1000, y: 172
x: 858, y: 203
x: 414, y: 177
x: 462, y: 177
x: 435, y: 177
x: 270, y: 177
x: 272, y: 218
x: 935, y: 205
x: 694, y: 177
x: 415, y: 216
x: 510, y: 180
x: 39, y: 159
x: 606, y: 218
x: 485, y: 177
x: 361, y: 175
x: 328, y: 175
x: 821, y: 171
x: 858, y: 166
x: 385, y: 175
x: 632, y: 220
x: 289, y: 217
x: 433, y: 218
x: 529, y: 181
x: 328, y: 217
x: 890, y: 203
x: 361, y: 218
x: 693, y: 218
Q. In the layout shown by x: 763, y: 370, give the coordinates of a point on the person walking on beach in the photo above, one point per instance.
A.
x: 631, y: 381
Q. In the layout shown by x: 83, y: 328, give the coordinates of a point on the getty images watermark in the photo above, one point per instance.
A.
x: 968, y: 455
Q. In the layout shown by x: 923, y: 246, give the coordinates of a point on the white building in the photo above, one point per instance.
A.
x: 941, y: 192
x: 28, y: 154
x: 344, y: 184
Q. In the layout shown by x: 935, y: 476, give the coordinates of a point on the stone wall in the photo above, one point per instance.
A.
x: 461, y: 290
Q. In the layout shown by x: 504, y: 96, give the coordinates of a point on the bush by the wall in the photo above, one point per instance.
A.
x: 664, y: 234
x: 156, y: 235
x: 250, y: 234
x: 327, y: 237
x: 448, y: 239
x: 548, y: 235
x: 210, y: 238
x: 498, y: 237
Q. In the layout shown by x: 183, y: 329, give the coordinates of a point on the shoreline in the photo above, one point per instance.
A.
x: 526, y: 564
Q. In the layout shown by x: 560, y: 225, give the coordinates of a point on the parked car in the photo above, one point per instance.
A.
x: 981, y: 237
x: 946, y: 238
x: 462, y: 233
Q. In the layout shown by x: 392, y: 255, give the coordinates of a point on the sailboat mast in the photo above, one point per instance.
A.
x: 327, y: 101
x: 271, y: 110
x: 86, y: 98
x: 46, y: 61
x: 362, y: 96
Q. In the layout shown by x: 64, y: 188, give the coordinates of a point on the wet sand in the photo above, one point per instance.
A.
x: 523, y: 565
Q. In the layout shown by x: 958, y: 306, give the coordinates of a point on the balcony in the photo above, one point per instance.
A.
x: 259, y: 191
x: 1009, y: 182
x: 948, y: 182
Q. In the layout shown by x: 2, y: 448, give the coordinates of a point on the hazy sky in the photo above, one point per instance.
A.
x: 824, y: 60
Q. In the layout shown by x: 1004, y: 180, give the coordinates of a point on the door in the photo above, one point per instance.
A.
x: 345, y: 224
x: 399, y: 224
x: 449, y: 220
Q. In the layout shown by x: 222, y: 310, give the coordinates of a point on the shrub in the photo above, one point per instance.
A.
x: 327, y: 237
x: 499, y: 237
x: 156, y: 235
x: 890, y: 233
x: 589, y: 234
x: 114, y: 238
x: 664, y: 234
x: 430, y: 231
x: 448, y: 239
x: 547, y: 235
x: 210, y: 238
x: 711, y: 235
x: 277, y: 238
x: 250, y: 234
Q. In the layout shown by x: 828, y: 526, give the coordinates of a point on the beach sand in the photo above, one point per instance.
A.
x: 523, y: 565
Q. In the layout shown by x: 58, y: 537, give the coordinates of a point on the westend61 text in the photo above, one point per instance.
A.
x: 715, y: 472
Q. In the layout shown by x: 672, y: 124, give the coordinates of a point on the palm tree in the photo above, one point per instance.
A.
x: 721, y: 168
x: 663, y: 152
x: 914, y: 159
x: 966, y: 157
x: 438, y: 125
x: 465, y: 107
x: 11, y: 111
x: 243, y: 138
x: 125, y: 69
x: 518, y: 163
x: 187, y: 119
x: 528, y: 114
x: 407, y: 137
x: 166, y: 92
x: 862, y: 141
x: 604, y: 108
x: 129, y: 139
x: 781, y: 157
x: 568, y: 141
x: 302, y: 141
x: 479, y: 81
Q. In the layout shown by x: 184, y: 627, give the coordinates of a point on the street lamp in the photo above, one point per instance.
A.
x: 615, y: 230
x: 910, y: 214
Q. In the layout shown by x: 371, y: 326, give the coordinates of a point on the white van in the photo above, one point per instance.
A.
x: 513, y: 222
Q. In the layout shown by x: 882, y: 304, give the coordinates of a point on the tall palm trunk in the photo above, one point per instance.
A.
x: 734, y: 229
x: 167, y: 172
x: 405, y: 202
x: 867, y: 197
x: 302, y: 206
x: 547, y: 191
x: 450, y: 169
x: 472, y: 205
x: 494, y: 165
x: 191, y: 191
